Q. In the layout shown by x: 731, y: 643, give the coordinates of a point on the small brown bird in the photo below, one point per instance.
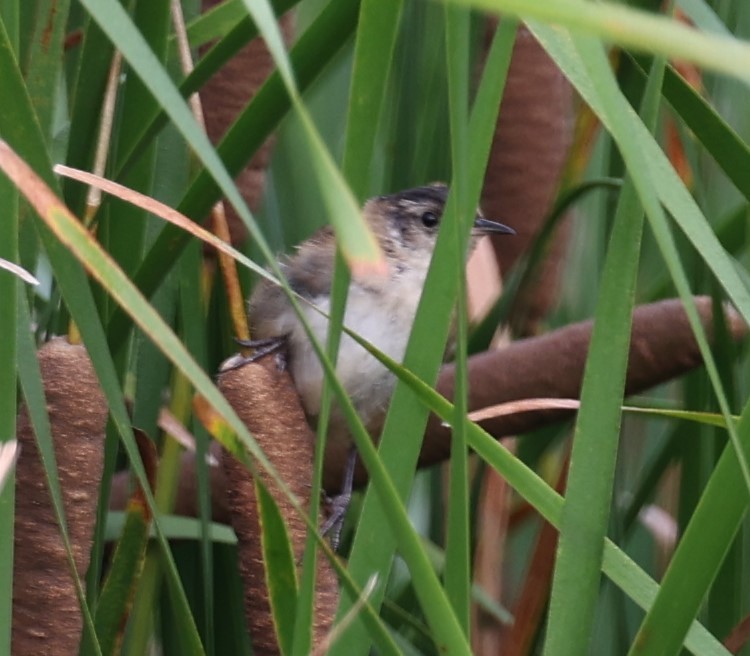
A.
x: 380, y: 309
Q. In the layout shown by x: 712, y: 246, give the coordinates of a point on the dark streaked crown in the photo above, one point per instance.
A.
x: 434, y: 194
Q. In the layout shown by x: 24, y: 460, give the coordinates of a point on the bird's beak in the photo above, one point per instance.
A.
x: 484, y: 226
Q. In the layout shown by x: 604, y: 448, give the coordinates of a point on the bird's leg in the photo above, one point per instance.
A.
x: 263, y: 347
x: 340, y: 503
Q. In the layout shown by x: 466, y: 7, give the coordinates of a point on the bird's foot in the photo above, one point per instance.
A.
x: 263, y: 347
x: 340, y: 503
x: 337, y: 507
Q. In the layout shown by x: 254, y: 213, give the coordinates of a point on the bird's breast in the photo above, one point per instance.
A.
x: 381, y: 316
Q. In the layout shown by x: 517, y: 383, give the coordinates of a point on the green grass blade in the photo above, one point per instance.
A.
x: 280, y: 569
x: 45, y: 59
x: 731, y: 153
x: 373, y: 55
x: 372, y: 551
x: 706, y: 418
x: 633, y: 28
x: 699, y: 555
x: 9, y: 290
x: 175, y: 527
x: 19, y: 125
x: 122, y: 578
x: 703, y: 16
x: 724, y: 144
x: 216, y: 22
x: 86, y: 93
x: 585, y: 516
x: 457, y: 577
x: 418, y: 113
x: 9, y: 15
x: 192, y: 304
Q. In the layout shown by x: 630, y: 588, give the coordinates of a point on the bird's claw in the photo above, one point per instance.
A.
x: 263, y: 348
x: 340, y: 503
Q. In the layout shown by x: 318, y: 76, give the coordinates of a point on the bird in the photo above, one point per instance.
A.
x: 381, y: 309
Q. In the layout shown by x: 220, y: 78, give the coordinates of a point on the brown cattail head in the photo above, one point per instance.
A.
x: 46, y: 614
x: 265, y: 399
x: 662, y: 347
x: 532, y: 138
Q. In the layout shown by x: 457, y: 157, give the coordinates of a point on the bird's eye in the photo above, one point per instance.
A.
x: 429, y: 219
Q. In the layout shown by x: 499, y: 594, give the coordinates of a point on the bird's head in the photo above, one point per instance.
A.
x: 407, y: 223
